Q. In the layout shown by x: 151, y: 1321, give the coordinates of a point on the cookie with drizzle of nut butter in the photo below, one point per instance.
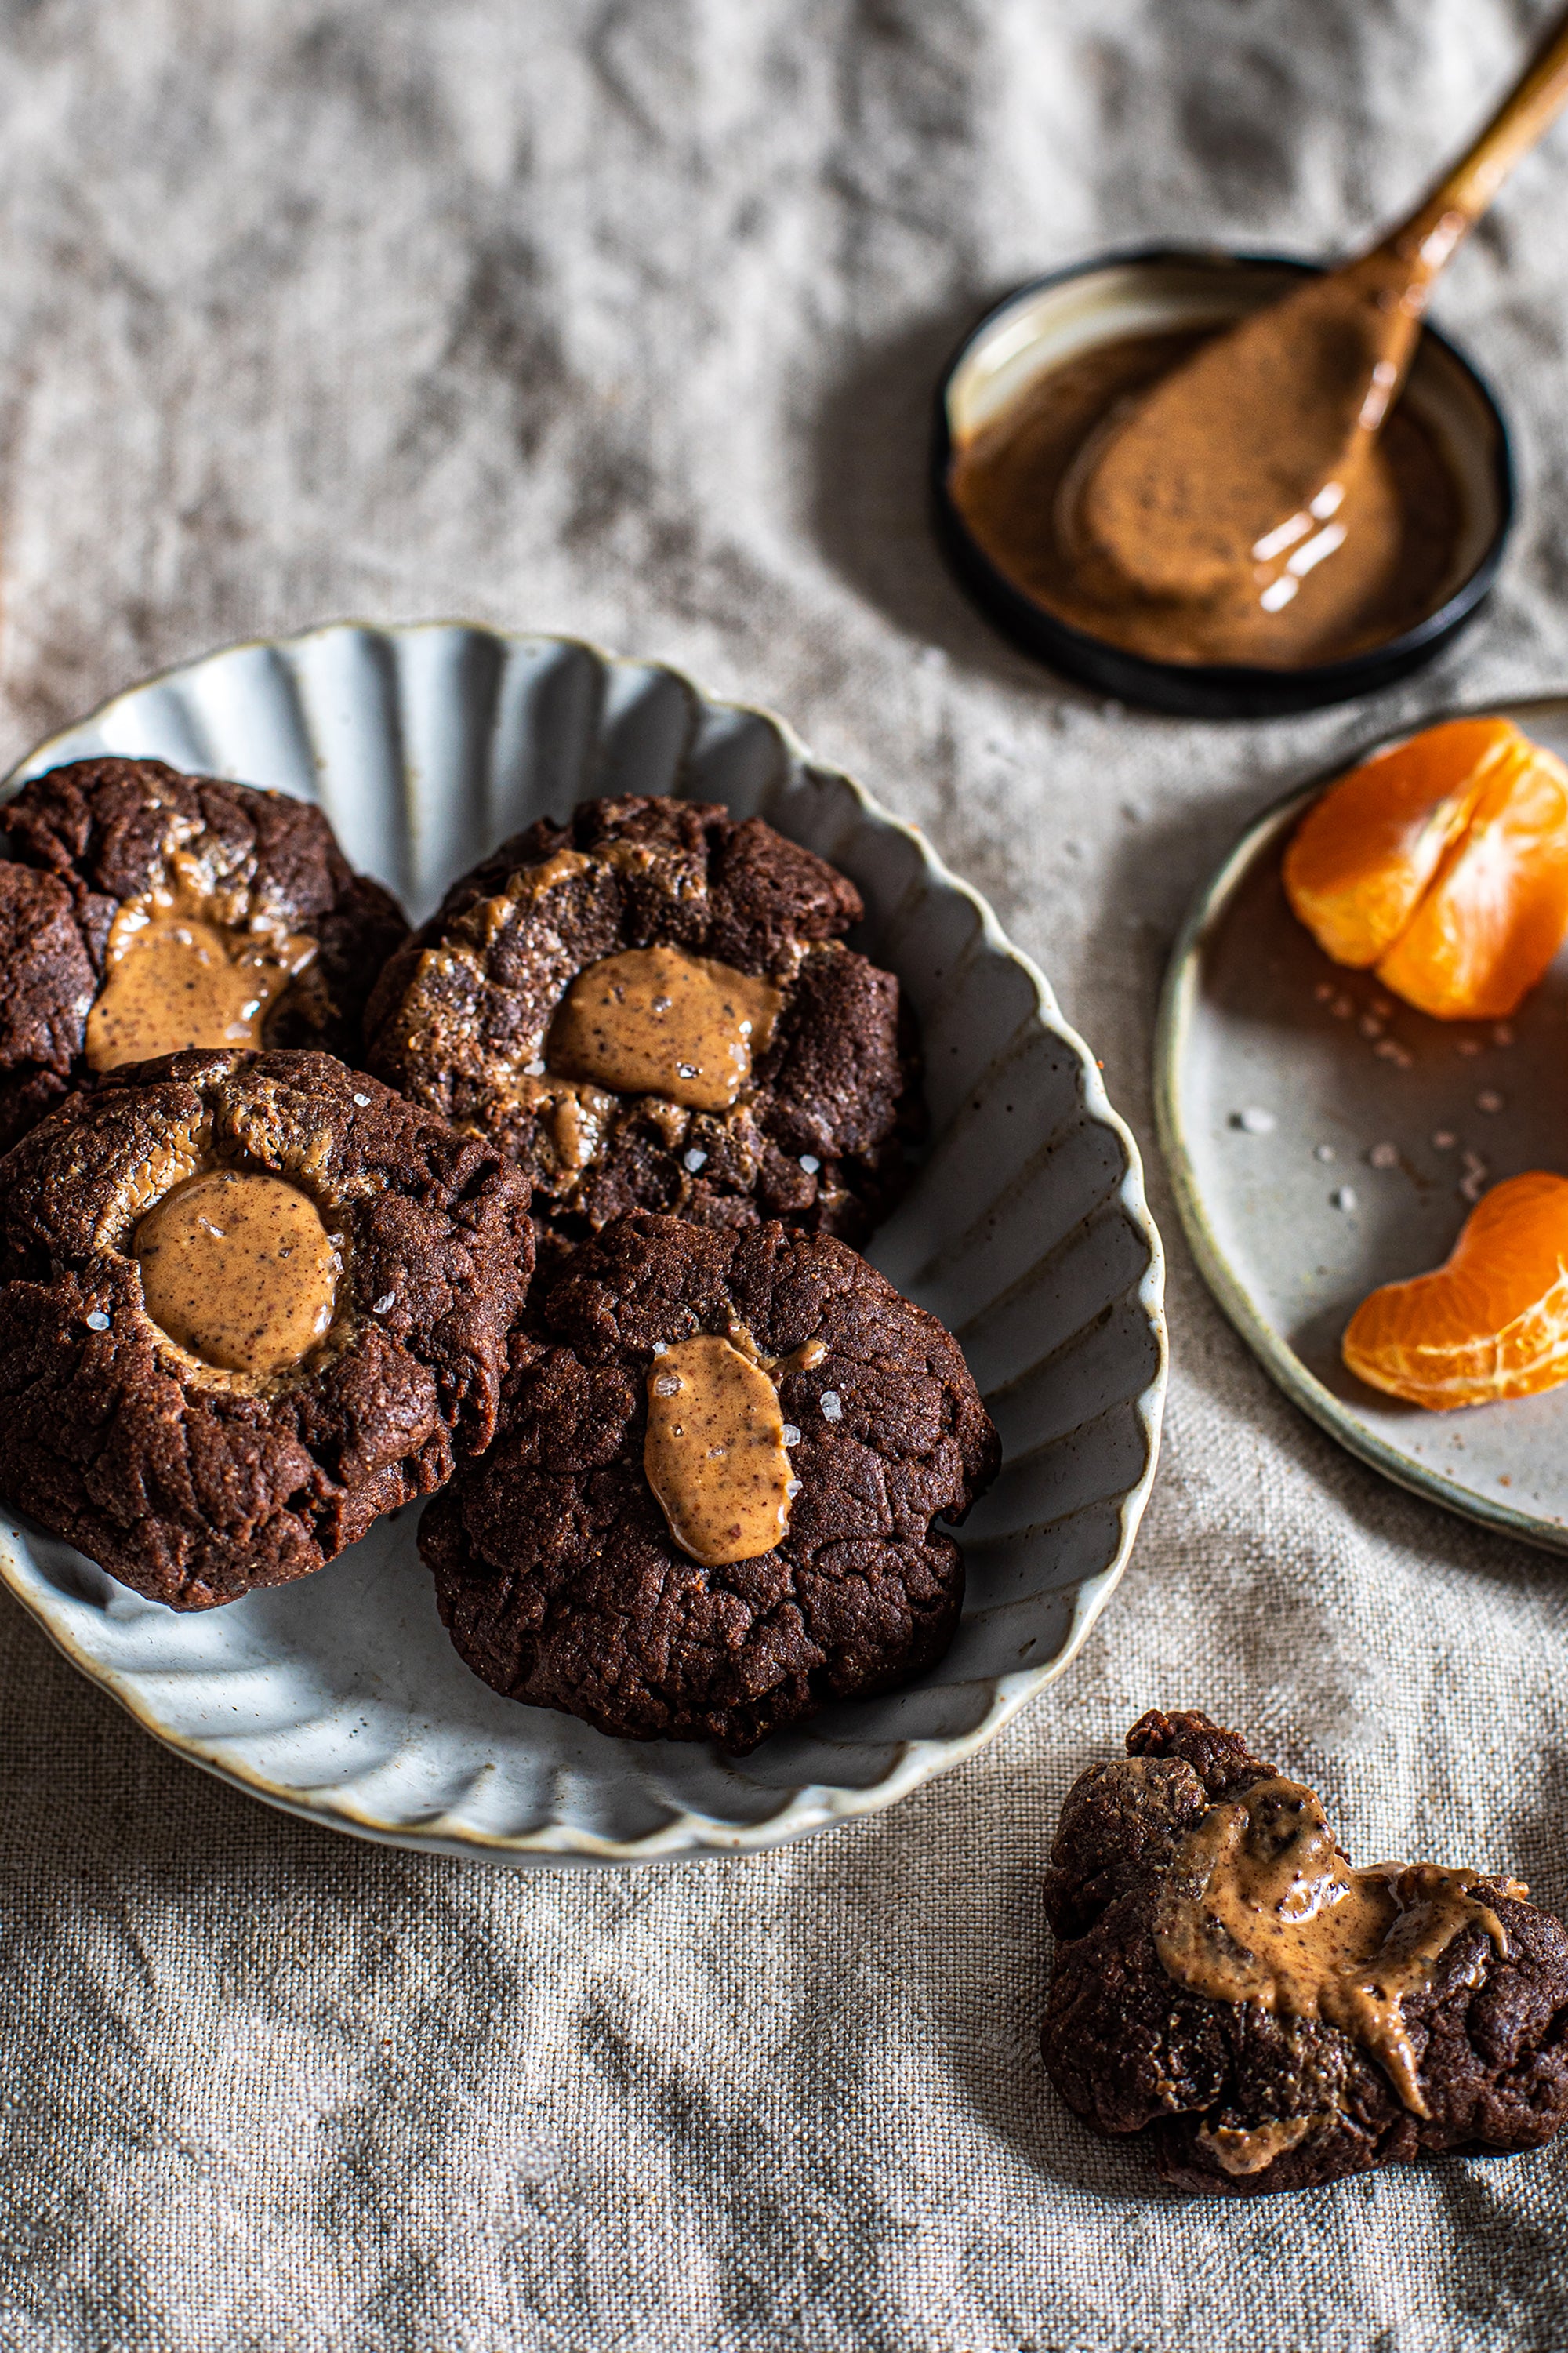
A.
x: 711, y: 1507
x: 1262, y: 2015
x: 652, y: 1007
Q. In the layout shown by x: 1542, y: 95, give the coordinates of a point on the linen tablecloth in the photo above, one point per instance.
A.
x: 621, y: 317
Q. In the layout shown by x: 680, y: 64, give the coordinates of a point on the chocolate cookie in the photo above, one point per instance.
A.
x: 651, y: 1008
x: 142, y: 911
x: 1225, y: 1984
x: 768, y: 1396
x: 247, y: 1304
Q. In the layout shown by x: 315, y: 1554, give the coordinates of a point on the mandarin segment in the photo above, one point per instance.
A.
x: 1364, y: 852
x: 1491, y: 1323
x: 1495, y: 913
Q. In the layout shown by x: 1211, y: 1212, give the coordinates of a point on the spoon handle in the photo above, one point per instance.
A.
x: 1428, y: 239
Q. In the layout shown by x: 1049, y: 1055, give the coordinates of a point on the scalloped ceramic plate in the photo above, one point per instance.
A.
x: 340, y: 1698
x: 1323, y: 1137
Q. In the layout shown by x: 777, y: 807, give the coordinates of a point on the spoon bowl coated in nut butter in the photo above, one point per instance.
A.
x: 1221, y: 491
x: 1020, y: 418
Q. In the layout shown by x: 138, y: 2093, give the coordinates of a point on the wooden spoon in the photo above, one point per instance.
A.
x: 1230, y: 478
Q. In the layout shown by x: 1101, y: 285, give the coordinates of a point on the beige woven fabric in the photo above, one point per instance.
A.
x: 621, y: 316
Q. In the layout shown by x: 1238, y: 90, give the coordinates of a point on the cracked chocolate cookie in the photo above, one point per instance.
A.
x: 142, y: 912
x: 651, y: 1008
x: 249, y: 1303
x: 1225, y: 1984
x: 710, y: 1508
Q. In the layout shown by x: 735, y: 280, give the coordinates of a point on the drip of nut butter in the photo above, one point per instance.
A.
x: 659, y: 1021
x: 1261, y: 1907
x: 177, y: 975
x: 716, y: 1454
x: 237, y: 1268
x: 1251, y: 2149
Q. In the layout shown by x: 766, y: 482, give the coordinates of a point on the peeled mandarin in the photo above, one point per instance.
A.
x: 1496, y: 911
x: 1491, y: 1323
x: 1366, y: 851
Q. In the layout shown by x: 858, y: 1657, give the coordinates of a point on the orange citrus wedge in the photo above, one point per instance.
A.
x: 1492, y: 1323
x: 1443, y: 863
x: 1493, y: 916
x: 1366, y: 850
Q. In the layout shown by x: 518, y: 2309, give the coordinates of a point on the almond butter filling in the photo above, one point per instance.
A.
x: 715, y: 1454
x: 177, y: 976
x: 237, y: 1268
x: 1261, y: 1907
x: 658, y: 1021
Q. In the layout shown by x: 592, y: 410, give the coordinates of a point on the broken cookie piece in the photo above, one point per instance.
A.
x: 1225, y: 1982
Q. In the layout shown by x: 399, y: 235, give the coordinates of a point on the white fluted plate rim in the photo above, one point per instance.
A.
x: 103, y: 1631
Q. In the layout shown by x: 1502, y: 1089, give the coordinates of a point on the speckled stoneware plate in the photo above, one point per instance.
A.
x: 340, y: 1698
x: 1323, y: 1137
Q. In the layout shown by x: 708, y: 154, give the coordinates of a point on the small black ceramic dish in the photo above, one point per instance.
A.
x: 1073, y: 311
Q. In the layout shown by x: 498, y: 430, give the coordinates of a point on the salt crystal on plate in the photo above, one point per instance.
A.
x: 1384, y: 1155
x: 1342, y: 1198
x: 1472, y: 1184
x: 1254, y: 1122
x: 1322, y: 1151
